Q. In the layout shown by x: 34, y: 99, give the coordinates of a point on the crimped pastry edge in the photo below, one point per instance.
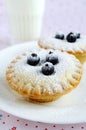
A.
x: 70, y: 52
x: 81, y: 56
x: 36, y: 95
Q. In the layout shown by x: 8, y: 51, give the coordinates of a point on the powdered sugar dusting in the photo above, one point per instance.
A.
x: 32, y: 75
x: 63, y: 45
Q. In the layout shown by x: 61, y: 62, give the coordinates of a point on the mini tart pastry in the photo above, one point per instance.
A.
x: 44, y: 75
x: 77, y: 48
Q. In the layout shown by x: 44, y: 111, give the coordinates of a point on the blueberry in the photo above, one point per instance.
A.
x: 52, y: 58
x: 71, y: 33
x: 47, y: 68
x: 59, y: 36
x: 33, y: 59
x: 50, y: 52
x: 71, y: 37
x: 78, y: 35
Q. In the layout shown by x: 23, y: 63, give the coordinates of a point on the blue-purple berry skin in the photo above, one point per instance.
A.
x: 59, y: 36
x: 33, y: 59
x: 47, y: 68
x: 52, y: 58
x: 71, y: 37
x: 78, y: 35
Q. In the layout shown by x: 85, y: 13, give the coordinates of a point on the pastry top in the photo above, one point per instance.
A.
x: 78, y: 47
x: 53, y: 72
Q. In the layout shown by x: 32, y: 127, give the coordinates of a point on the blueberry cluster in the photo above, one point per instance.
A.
x: 48, y: 67
x: 71, y: 37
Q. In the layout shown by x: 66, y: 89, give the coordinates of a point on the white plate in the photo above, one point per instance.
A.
x: 71, y: 108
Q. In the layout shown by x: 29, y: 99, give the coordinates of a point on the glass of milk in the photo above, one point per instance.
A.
x: 25, y: 18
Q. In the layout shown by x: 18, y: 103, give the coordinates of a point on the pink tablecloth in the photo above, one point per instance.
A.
x: 9, y: 122
x: 61, y: 15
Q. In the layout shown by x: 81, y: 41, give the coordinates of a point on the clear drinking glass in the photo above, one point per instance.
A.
x: 25, y: 18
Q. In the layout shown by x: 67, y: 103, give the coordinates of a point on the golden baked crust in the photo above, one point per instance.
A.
x: 80, y: 53
x: 37, y: 93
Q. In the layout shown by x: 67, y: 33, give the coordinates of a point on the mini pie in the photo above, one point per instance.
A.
x: 44, y: 75
x: 77, y: 48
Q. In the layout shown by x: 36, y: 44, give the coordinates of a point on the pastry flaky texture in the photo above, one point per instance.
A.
x: 54, y: 74
x: 77, y: 48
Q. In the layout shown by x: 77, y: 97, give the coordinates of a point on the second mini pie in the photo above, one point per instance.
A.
x: 72, y: 43
x: 44, y: 75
